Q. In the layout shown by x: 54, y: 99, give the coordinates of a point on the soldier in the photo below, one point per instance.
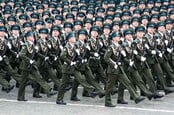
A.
x: 69, y: 68
x: 29, y: 68
x: 129, y: 66
x: 4, y: 60
x: 113, y: 57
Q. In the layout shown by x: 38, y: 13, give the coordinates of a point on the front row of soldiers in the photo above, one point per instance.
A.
x: 142, y: 60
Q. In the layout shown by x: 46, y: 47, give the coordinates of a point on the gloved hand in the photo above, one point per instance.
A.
x: 143, y: 58
x: 31, y: 61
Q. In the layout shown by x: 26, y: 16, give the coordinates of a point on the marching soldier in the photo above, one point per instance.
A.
x: 28, y: 66
x: 113, y: 57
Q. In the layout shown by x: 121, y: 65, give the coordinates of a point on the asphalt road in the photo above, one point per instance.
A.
x: 87, y: 106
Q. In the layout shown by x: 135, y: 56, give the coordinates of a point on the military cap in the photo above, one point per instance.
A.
x: 151, y: 25
x: 69, y: 15
x: 135, y: 19
x: 44, y: 2
x: 155, y: 16
x: 31, y: 9
x: 7, y: 12
x: 65, y: 3
x: 82, y: 31
x: 114, y: 34
x: 144, y: 17
x: 39, y: 22
x: 59, y: 5
x: 111, y: 2
x: 91, y: 6
x: 94, y: 28
x: 23, y: 17
x: 155, y: 8
x: 110, y: 17
x: 52, y: 5
x: 88, y: 20
x: 18, y: 5
x: 74, y: 9
x: 74, y: 2
x: 166, y: 1
x: 27, y: 24
x: 169, y: 21
x: 2, y: 20
x: 159, y: 24
x: 55, y: 27
x: 137, y: 11
x: 118, y: 7
x: 163, y: 7
x: 84, y: 1
x: 133, y: 4
x: 147, y: 10
x: 158, y: 1
x: 100, y: 9
x: 65, y: 10
x: 19, y: 10
x: 58, y: 17
x: 127, y: 32
x: 78, y: 22
x: 125, y: 7
x: 80, y: 14
x: 68, y: 25
x: 117, y: 14
x: 140, y: 29
x: 83, y: 7
x: 171, y: 12
x: 12, y: 1
x: 46, y: 13
x: 106, y: 26
x: 150, y: 2
x: 170, y: 6
x: 54, y: 1
x: 111, y: 9
x: 163, y: 13
x: 7, y: 7
x: 142, y: 2
x: 126, y: 13
x: 90, y: 11
x: 43, y: 31
x: 115, y: 23
x: 29, y: 33
x: 15, y: 27
x: 49, y: 20
x: 40, y: 6
x: 11, y: 18
x: 123, y: 22
x: 55, y: 11
x: 99, y: 18
x: 3, y: 29
x: 70, y: 35
x: 35, y: 15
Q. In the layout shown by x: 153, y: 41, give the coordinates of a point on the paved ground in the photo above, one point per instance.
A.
x: 87, y: 106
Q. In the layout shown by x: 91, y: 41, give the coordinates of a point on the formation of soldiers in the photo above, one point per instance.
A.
x: 101, y: 45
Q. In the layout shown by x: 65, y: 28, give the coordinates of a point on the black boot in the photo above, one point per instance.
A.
x: 75, y: 99
x: 109, y: 105
x: 60, y: 102
x: 139, y: 99
x: 10, y: 87
x: 51, y: 93
x: 122, y: 102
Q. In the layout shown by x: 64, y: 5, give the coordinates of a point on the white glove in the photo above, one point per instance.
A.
x: 160, y: 55
x: 9, y: 45
x: 88, y: 47
x: 46, y: 58
x: 166, y: 42
x: 72, y: 63
x: 131, y: 63
x: 1, y: 58
x: 84, y: 60
x: 31, y: 61
x: 21, y: 43
x: 96, y: 54
x: 169, y: 50
x: 153, y: 52
x: 49, y: 46
x: 61, y: 47
x: 55, y: 58
x: 78, y: 51
x: 36, y: 48
x: 101, y: 44
x: 135, y: 52
x: 115, y: 66
x: 17, y: 56
x: 143, y: 58
x: 146, y: 46
x: 123, y: 53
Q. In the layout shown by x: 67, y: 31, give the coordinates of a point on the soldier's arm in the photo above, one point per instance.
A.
x: 107, y: 57
x: 63, y: 56
x: 23, y: 52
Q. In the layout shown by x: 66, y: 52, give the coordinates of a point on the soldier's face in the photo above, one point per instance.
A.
x: 129, y: 37
x: 43, y: 36
x: 68, y: 30
x: 172, y: 16
x: 161, y: 28
x: 11, y: 22
x: 140, y: 34
x: 116, y: 27
x: 168, y: 26
x: 144, y: 21
x: 15, y: 32
x: 89, y: 16
x: 88, y: 25
x: 72, y: 40
x: 2, y: 34
x: 55, y: 33
x: 94, y: 33
x: 151, y: 30
x: 117, y: 19
x: 116, y: 39
x: 135, y: 23
x: 82, y: 37
x: 162, y: 18
x: 106, y: 31
x: 30, y: 38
